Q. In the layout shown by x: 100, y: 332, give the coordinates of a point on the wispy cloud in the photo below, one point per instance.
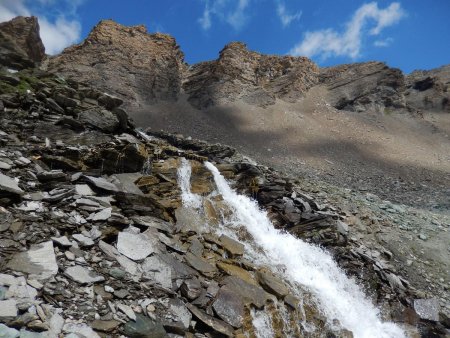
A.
x: 284, y: 15
x: 58, y: 30
x: 328, y: 42
x: 383, y: 43
x: 232, y: 12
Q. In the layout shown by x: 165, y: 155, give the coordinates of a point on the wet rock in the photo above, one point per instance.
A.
x: 200, y: 264
x: 39, y: 262
x: 234, y: 270
x: 54, y: 175
x: 233, y: 247
x: 250, y: 293
x: 212, y: 322
x: 229, y: 306
x: 135, y: 246
x: 272, y: 284
x: 144, y: 327
x: 9, y: 185
x: 82, y: 275
x: 427, y: 308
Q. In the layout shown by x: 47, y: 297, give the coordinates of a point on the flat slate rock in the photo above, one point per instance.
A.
x: 82, y: 275
x: 427, y: 308
x: 144, y: 327
x: 9, y: 185
x: 212, y: 322
x: 39, y: 261
x: 101, y: 183
x: 135, y: 246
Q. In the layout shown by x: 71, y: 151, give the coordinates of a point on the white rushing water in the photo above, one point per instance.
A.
x: 184, y: 181
x: 301, y: 263
x: 339, y: 296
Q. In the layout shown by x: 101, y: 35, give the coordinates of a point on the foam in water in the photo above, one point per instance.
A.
x: 184, y: 181
x: 308, y: 265
x: 262, y: 324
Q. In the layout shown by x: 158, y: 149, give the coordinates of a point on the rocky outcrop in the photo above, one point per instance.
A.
x: 429, y: 90
x: 144, y: 69
x: 128, y: 62
x: 364, y: 86
x: 20, y: 43
x: 257, y: 79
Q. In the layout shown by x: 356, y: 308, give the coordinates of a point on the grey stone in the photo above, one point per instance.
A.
x: 200, y: 264
x: 181, y: 317
x: 62, y: 241
x: 144, y: 327
x: 80, y: 330
x: 82, y: 275
x: 153, y: 222
x: 83, y: 240
x: 191, y: 288
x: 231, y: 246
x: 9, y: 185
x: 135, y: 246
x: 212, y: 322
x: 127, y: 311
x: 101, y: 183
x: 229, y: 306
x: 39, y: 261
x: 427, y: 308
x: 6, y: 332
x: 342, y: 228
x: 158, y: 271
x: 249, y: 292
x: 6, y: 219
x: 83, y: 190
x: 125, y: 182
x: 272, y: 284
x: 102, y: 215
x: 100, y: 118
x: 5, y: 166
x: 8, y: 309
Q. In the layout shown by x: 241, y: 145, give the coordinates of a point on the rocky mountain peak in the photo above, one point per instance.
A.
x: 135, y: 65
x: 21, y: 43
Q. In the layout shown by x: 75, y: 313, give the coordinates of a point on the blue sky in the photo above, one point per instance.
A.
x: 408, y: 34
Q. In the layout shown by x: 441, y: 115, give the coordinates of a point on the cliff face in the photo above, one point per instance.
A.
x: 137, y: 66
x: 20, y: 43
x: 255, y: 78
x: 145, y: 69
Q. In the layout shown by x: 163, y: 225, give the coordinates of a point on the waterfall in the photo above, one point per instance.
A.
x: 189, y: 199
x: 298, y: 262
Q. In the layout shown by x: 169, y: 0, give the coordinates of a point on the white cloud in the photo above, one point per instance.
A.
x: 383, y: 43
x: 233, y: 12
x: 329, y: 42
x: 56, y: 32
x: 285, y: 17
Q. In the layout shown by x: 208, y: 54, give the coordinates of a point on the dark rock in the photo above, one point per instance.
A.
x: 229, y: 306
x: 100, y: 118
x: 191, y: 288
x: 20, y: 44
x: 212, y: 322
x: 272, y: 284
x: 144, y: 327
